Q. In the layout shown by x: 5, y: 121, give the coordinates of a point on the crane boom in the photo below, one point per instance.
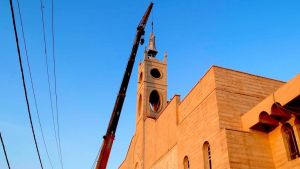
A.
x: 114, y: 119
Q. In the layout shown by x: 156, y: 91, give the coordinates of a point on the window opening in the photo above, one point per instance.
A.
x: 140, y: 105
x: 155, y: 73
x: 290, y: 141
x: 207, y: 156
x: 154, y: 100
x: 141, y: 77
x: 186, y: 163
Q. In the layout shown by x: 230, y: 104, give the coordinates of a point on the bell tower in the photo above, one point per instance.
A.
x: 152, y: 83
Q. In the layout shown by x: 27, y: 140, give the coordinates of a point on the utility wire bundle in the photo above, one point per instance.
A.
x: 55, y: 120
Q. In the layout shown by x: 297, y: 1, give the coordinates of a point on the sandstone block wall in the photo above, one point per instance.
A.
x: 249, y: 150
x: 238, y: 92
x: 211, y: 112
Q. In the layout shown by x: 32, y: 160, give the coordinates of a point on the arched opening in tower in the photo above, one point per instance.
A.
x: 140, y: 105
x: 141, y: 77
x: 154, y: 100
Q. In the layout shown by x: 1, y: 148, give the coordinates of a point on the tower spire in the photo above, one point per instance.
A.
x: 151, y: 51
x: 152, y: 27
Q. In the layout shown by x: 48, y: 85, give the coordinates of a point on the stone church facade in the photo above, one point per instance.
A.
x: 228, y: 120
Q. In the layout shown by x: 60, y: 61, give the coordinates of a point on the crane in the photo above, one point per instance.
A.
x: 108, y: 139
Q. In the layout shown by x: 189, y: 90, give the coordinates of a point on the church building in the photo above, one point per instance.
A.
x: 228, y: 120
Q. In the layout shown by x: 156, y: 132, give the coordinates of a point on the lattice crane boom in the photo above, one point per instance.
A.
x: 111, y: 129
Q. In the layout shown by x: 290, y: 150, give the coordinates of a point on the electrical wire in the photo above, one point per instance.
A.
x: 4, y: 150
x: 55, y: 82
x: 32, y: 86
x: 24, y: 84
x: 48, y: 77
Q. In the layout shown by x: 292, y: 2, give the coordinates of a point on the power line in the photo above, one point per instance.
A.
x: 55, y: 81
x: 32, y: 86
x: 24, y: 84
x: 3, y: 146
x: 48, y: 78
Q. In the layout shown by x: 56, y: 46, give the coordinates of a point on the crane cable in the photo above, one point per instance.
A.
x: 55, y: 81
x: 96, y: 159
x: 48, y: 80
x: 4, y: 150
x: 32, y: 86
x: 24, y: 84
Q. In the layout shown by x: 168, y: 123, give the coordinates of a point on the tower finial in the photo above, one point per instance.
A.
x: 152, y: 27
x: 151, y: 51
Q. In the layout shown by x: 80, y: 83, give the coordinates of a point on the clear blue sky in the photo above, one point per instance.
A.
x: 93, y: 41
